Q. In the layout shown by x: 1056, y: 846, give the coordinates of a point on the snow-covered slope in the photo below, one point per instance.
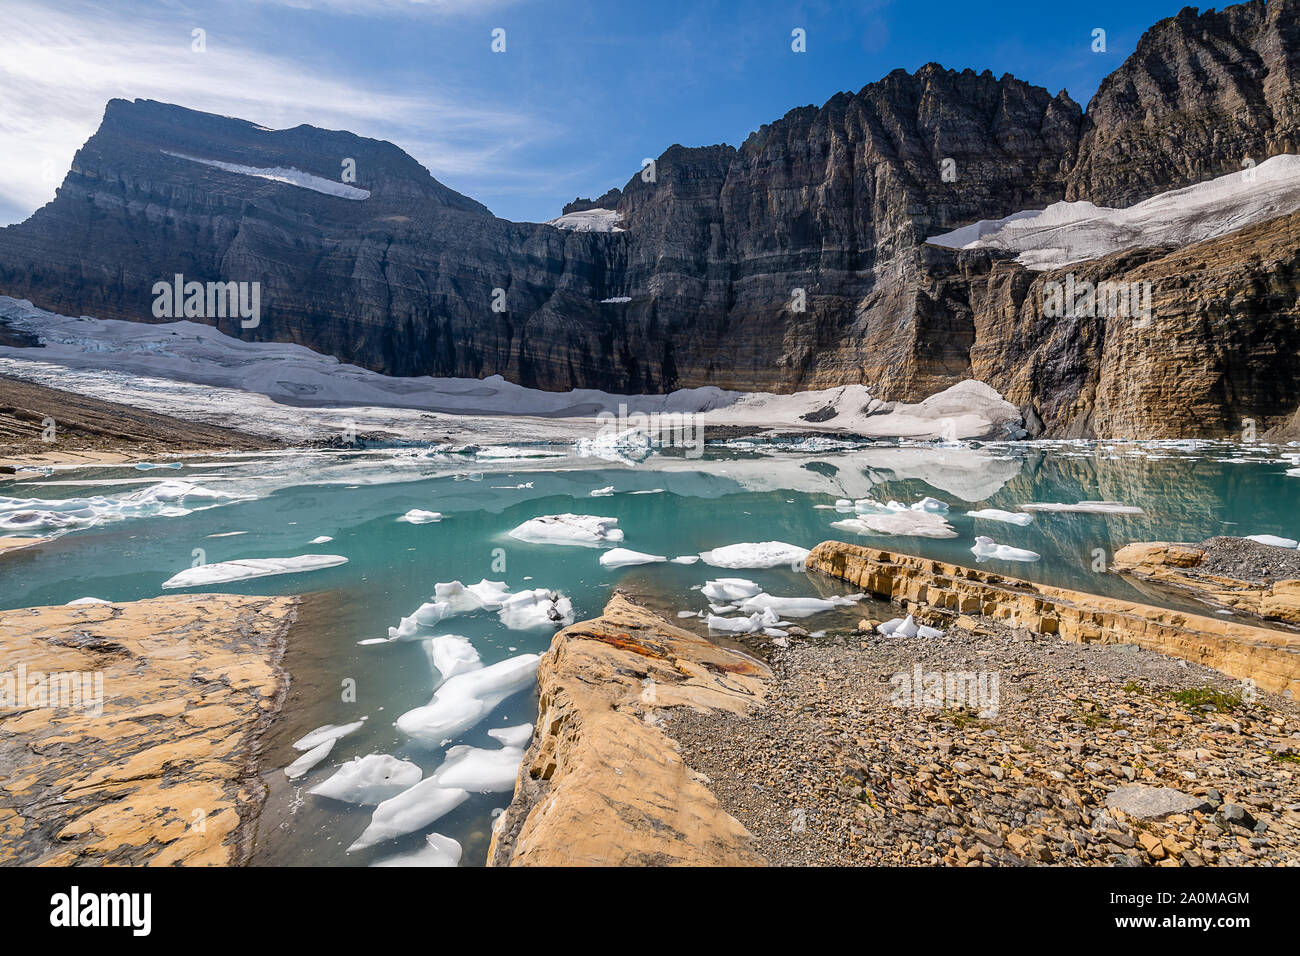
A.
x: 589, y: 220
x: 283, y: 174
x: 1067, y: 232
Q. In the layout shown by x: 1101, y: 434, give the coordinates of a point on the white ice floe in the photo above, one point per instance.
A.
x: 629, y: 447
x: 79, y: 602
x: 758, y: 621
x: 923, y: 524
x: 478, y: 770
x: 516, y: 736
x: 907, y: 627
x: 419, y: 516
x: 763, y: 554
x: 587, y: 530
x: 986, y: 549
x: 622, y: 557
x: 1274, y: 540
x: 412, y: 809
x: 311, y: 758
x: 729, y: 590
x: 426, y: 615
x: 451, y: 654
x: 369, y: 780
x: 167, y: 499
x: 589, y: 220
x: 1067, y: 232
x: 465, y: 699
x: 461, y: 599
x: 797, y: 607
x: 603, y: 492
x: 686, y: 559
x: 328, y: 732
x: 440, y: 851
x: 286, y: 175
x: 1009, y: 517
x: 1086, y: 507
x: 539, y: 607
x: 322, y: 539
x: 223, y: 572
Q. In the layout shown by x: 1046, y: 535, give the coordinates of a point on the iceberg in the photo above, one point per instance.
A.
x: 622, y: 557
x: 1009, y: 517
x: 418, y: 516
x: 537, y: 608
x: 587, y: 530
x: 1086, y: 507
x: 308, y: 760
x: 729, y: 590
x: 796, y: 607
x: 411, y: 810
x: 480, y: 771
x: 986, y: 549
x: 426, y: 615
x: 224, y: 572
x: 328, y: 732
x: 515, y: 736
x: 369, y: 780
x: 441, y: 851
x: 465, y: 699
x: 1274, y: 540
x: 764, y: 554
x: 451, y: 654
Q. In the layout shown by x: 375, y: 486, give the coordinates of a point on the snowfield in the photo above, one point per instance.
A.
x: 283, y: 174
x: 1067, y: 232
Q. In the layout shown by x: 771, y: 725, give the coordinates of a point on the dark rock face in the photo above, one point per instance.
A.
x: 607, y: 201
x: 796, y: 261
x: 1200, y: 95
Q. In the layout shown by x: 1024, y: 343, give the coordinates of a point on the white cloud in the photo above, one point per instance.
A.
x: 60, y: 65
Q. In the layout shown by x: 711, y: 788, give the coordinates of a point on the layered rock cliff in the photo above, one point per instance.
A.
x: 796, y: 261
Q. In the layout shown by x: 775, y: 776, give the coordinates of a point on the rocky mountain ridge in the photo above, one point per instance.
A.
x: 795, y: 261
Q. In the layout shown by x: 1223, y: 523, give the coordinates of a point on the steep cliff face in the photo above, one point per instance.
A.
x: 796, y: 261
x: 1201, y: 95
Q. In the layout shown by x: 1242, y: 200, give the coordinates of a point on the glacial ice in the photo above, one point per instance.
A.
x: 729, y: 590
x: 764, y: 554
x: 1274, y: 540
x: 796, y: 607
x: 540, y: 607
x: 461, y: 599
x: 311, y: 758
x: 1009, y: 517
x: 923, y: 524
x: 622, y: 557
x: 587, y: 530
x: 986, y: 549
x: 426, y: 615
x: 465, y: 699
x: 327, y: 732
x: 745, y: 625
x: 479, y: 770
x: 418, y: 516
x: 1086, y: 507
x: 369, y: 780
x: 516, y: 736
x: 286, y: 175
x: 602, y: 492
x: 451, y: 654
x: 411, y: 810
x: 440, y: 851
x: 223, y: 572
x: 907, y: 627
x: 168, y: 499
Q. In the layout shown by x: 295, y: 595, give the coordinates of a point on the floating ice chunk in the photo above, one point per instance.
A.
x: 461, y: 599
x: 932, y: 505
x: 622, y: 557
x: 441, y: 851
x: 922, y: 524
x: 369, y: 780
x: 688, y: 613
x: 328, y: 732
x: 516, y: 736
x: 1274, y: 540
x: 224, y: 572
x: 465, y: 699
x: 79, y: 602
x: 630, y: 447
x: 451, y: 654
x: 537, y: 608
x: 418, y: 516
x: 587, y: 530
x: 729, y: 590
x: 686, y: 559
x: 745, y: 625
x: 323, y: 539
x: 411, y: 810
x: 1293, y: 472
x: 1009, y: 517
x: 426, y: 615
x: 480, y: 771
x: 843, y: 504
x: 308, y: 760
x: 1086, y: 507
x: 796, y: 607
x: 986, y: 549
x: 603, y: 492
x: 723, y: 608
x: 764, y: 554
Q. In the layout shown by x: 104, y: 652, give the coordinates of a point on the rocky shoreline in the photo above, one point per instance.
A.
x: 130, y: 732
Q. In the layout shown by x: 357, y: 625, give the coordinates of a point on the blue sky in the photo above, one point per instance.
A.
x: 583, y: 91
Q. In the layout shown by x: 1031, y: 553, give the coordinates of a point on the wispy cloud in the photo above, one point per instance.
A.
x: 60, y: 64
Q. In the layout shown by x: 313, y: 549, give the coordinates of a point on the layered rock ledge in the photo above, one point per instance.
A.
x: 602, y: 783
x: 942, y: 593
x: 143, y: 751
x: 1198, y: 568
